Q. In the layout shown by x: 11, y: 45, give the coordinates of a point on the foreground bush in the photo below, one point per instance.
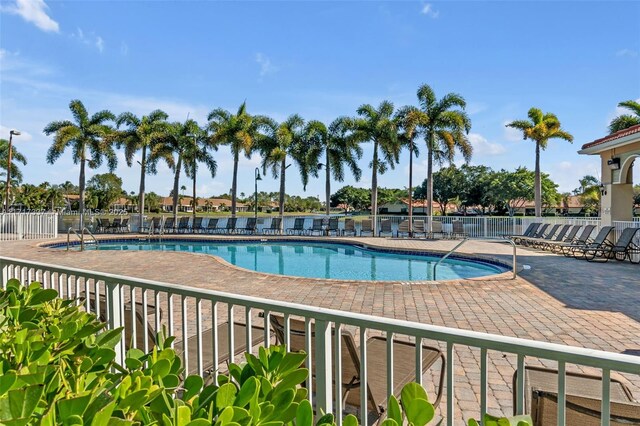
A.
x: 57, y: 367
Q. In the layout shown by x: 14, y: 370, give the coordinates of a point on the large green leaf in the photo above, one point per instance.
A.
x: 226, y: 395
x: 22, y: 402
x: 304, y: 414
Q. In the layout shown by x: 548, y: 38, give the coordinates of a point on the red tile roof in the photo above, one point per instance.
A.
x: 619, y: 134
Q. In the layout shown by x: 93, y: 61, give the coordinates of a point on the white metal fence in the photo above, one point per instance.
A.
x: 197, y: 318
x: 28, y: 226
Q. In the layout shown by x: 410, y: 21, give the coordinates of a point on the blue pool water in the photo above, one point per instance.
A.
x: 322, y: 260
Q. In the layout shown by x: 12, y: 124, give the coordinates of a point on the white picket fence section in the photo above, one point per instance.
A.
x: 28, y: 226
x: 195, y: 316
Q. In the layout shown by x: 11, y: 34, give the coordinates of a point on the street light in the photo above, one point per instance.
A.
x: 6, y: 201
x: 257, y: 178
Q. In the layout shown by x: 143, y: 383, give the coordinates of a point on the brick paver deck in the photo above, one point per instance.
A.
x: 554, y: 299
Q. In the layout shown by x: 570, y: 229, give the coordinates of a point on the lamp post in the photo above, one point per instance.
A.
x: 6, y: 201
x: 257, y: 178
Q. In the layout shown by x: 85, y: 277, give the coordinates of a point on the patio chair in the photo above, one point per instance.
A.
x: 419, y: 229
x: 547, y: 235
x: 153, y: 223
x: 298, y: 227
x: 124, y: 225
x: 403, y: 228
x: 349, y: 227
x: 212, y: 226
x: 458, y: 230
x: 230, y: 228
x: 196, y: 226
x: 250, y: 227
x: 169, y: 226
x: 274, y: 227
x: 436, y: 229
x: 584, y: 238
x: 102, y: 225
x: 316, y: 226
x: 538, y: 233
x: 333, y: 226
x: 366, y: 227
x: 583, y: 399
x: 183, y: 224
x: 541, y: 243
x: 569, y: 236
x: 404, y: 355
x: 602, y: 239
x: 621, y: 250
x: 115, y: 225
x: 385, y: 228
x: 531, y: 229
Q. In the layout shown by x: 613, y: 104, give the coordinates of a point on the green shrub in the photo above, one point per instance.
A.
x: 57, y: 367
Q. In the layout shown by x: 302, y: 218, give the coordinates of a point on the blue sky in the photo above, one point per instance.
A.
x: 321, y: 60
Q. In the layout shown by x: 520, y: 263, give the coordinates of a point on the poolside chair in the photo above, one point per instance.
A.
x: 583, y: 399
x: 621, y: 250
x: 250, y: 227
x: 419, y: 229
x: 196, y: 226
x: 458, y: 229
x: 349, y: 227
x: 298, y: 227
x: 366, y: 227
x: 275, y: 227
x: 230, y: 228
x: 333, y: 226
x: 115, y: 225
x: 385, y: 228
x: 212, y: 226
x: 124, y: 225
x: 543, y: 234
x: 602, y: 239
x: 183, y: 224
x: 551, y: 237
x: 569, y: 236
x: 404, y: 355
x: 102, y: 225
x: 316, y: 226
x: 169, y: 226
x: 584, y: 238
x: 436, y: 230
x: 403, y: 228
x: 538, y: 233
x: 531, y: 229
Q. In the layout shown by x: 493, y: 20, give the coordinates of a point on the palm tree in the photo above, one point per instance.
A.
x: 378, y: 126
x: 86, y: 138
x: 140, y: 134
x: 445, y: 129
x: 410, y: 119
x: 239, y: 131
x: 16, y: 156
x: 626, y: 120
x: 540, y: 128
x: 340, y: 148
x: 282, y: 141
x: 198, y: 151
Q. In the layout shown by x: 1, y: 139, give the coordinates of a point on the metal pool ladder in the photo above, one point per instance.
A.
x: 160, y: 230
x: 81, y: 237
x: 479, y: 239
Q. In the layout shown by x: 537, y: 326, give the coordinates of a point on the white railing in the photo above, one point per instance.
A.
x: 28, y: 226
x: 195, y: 317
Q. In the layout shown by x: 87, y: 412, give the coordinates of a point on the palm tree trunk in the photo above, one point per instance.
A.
x: 283, y: 170
x: 538, y: 183
x: 81, y: 187
x: 430, y: 183
x: 234, y: 184
x: 374, y: 188
x: 410, y: 189
x: 176, y: 188
x: 195, y: 204
x: 327, y: 187
x: 143, y: 172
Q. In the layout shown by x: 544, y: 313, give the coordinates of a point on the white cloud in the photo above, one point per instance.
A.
x: 100, y: 44
x: 266, y: 66
x: 89, y: 39
x: 482, y: 147
x: 476, y: 107
x: 427, y: 9
x: 34, y: 11
x: 511, y: 134
x: 631, y: 53
x: 24, y: 136
x: 617, y: 112
x: 565, y: 165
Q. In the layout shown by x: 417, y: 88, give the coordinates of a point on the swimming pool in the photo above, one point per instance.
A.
x: 321, y: 260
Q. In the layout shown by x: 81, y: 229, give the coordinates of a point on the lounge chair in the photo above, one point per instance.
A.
x: 212, y: 226
x: 298, y: 227
x: 102, y: 225
x: 621, y: 250
x: 582, y: 239
x: 275, y: 227
x: 333, y: 226
x: 349, y: 227
x: 418, y: 229
x: 196, y: 226
x: 250, y: 227
x: 529, y: 232
x: 316, y: 226
x: 169, y: 225
x: 548, y: 235
x: 458, y: 229
x: 153, y: 224
x: 124, y: 225
x: 541, y: 243
x: 583, y: 399
x: 403, y: 228
x: 404, y: 355
x: 385, y: 228
x: 230, y: 228
x: 183, y: 224
x: 602, y: 239
x: 539, y: 233
x: 436, y: 229
x: 366, y: 227
x: 115, y: 225
x: 569, y: 236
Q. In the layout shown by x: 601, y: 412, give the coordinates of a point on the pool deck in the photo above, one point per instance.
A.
x: 554, y: 299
